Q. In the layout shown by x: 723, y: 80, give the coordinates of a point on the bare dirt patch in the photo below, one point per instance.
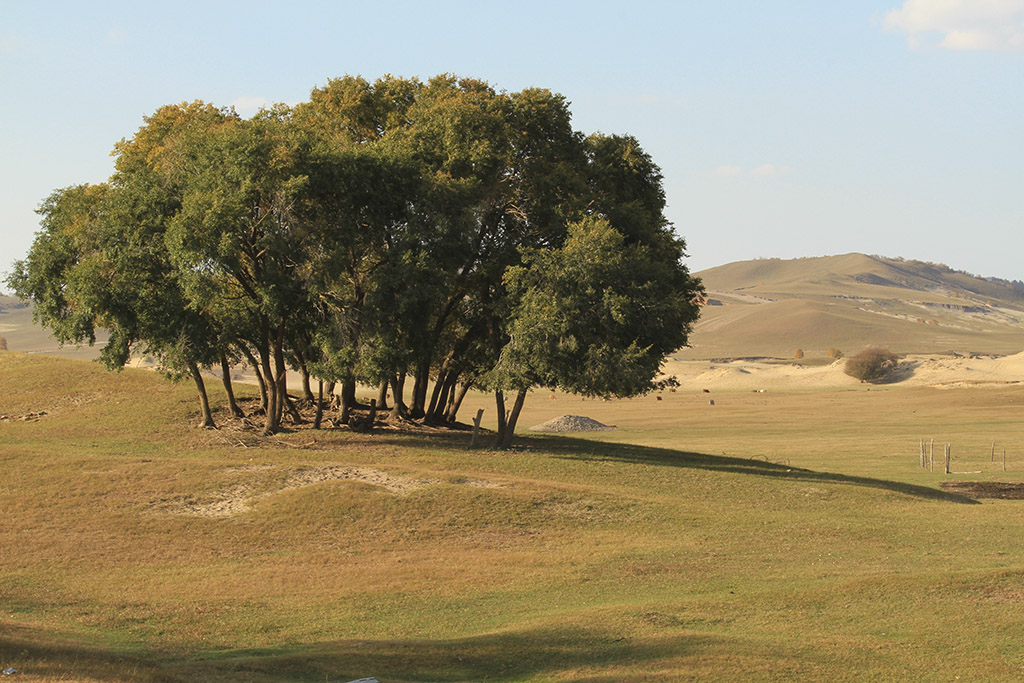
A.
x: 482, y: 484
x: 368, y: 475
x: 241, y: 497
x: 986, y: 489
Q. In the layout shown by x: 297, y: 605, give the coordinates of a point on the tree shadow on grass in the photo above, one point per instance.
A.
x: 503, y: 656
x: 49, y: 656
x: 594, y: 450
x: 585, y: 449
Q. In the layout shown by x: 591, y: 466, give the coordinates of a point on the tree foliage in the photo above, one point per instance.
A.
x: 441, y: 231
x: 873, y: 364
x: 597, y: 315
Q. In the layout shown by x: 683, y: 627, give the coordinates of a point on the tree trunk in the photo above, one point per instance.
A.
x: 260, y: 381
x: 398, y: 408
x: 307, y: 392
x: 419, y: 390
x: 319, y: 405
x: 444, y: 398
x: 204, y: 401
x: 499, y: 400
x: 448, y: 375
x: 348, y: 399
x: 382, y: 395
x: 268, y: 355
x: 453, y: 410
x: 435, y: 395
x: 280, y: 373
x: 510, y: 427
x: 448, y: 397
x: 271, y: 420
x: 225, y: 371
x: 292, y: 410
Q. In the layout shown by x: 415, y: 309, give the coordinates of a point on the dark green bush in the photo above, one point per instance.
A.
x: 873, y: 364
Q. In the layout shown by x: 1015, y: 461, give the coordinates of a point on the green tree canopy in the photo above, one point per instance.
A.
x: 441, y: 230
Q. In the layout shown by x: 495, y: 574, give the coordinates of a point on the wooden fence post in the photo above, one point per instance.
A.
x: 476, y: 427
x: 949, y: 456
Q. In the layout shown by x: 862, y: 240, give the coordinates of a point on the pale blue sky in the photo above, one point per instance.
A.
x: 783, y: 129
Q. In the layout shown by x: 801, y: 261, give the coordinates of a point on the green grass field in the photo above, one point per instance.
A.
x: 771, y: 536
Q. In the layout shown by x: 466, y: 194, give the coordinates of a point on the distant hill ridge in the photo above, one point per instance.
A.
x: 772, y: 307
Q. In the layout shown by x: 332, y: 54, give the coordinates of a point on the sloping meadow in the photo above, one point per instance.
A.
x: 133, y: 547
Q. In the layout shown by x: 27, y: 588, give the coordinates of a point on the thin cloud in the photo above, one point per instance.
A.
x: 728, y: 171
x: 960, y: 24
x: 771, y: 171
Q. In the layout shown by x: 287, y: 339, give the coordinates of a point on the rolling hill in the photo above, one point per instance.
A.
x: 22, y: 334
x: 771, y: 307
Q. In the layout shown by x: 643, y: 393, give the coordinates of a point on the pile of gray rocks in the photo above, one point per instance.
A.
x: 571, y: 423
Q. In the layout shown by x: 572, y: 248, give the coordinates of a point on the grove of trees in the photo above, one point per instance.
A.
x: 440, y: 231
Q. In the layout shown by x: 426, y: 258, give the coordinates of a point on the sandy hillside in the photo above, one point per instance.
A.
x: 771, y: 307
x: 914, y: 370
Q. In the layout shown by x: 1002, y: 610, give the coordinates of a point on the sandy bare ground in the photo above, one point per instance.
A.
x: 240, y: 498
x: 914, y: 370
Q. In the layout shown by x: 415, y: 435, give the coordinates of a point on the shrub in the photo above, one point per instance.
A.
x: 3, y: 343
x: 873, y: 364
x: 833, y: 352
x: 799, y: 353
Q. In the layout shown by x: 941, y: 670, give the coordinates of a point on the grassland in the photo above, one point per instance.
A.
x: 769, y: 536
